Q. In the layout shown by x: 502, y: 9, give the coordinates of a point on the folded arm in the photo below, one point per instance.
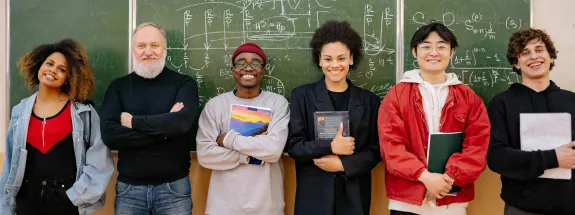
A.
x: 511, y: 162
x: 210, y: 154
x: 172, y: 123
x: 114, y: 134
x: 266, y: 147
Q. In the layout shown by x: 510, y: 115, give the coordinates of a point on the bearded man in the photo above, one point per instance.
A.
x: 147, y: 116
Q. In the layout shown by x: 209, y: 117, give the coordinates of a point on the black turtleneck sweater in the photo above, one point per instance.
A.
x: 520, y: 169
x: 156, y: 149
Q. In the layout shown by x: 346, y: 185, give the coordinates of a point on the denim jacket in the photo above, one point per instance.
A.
x: 93, y: 159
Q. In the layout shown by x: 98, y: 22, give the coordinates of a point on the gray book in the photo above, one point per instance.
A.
x: 327, y: 123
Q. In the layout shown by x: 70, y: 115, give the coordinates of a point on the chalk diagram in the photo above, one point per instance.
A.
x: 211, y: 28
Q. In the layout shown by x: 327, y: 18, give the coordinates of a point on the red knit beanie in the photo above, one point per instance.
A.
x: 249, y: 47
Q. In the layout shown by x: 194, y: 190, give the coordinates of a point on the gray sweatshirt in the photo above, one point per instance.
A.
x: 236, y: 187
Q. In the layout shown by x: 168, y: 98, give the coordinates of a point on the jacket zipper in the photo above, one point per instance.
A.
x: 422, y: 116
x: 449, y: 104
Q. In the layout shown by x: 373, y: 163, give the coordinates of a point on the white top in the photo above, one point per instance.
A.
x: 237, y: 187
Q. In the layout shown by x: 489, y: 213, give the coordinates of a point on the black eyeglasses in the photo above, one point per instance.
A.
x: 242, y: 64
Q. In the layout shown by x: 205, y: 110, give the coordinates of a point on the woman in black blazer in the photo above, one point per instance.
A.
x: 334, y: 177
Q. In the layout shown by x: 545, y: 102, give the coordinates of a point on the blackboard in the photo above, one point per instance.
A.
x: 102, y: 27
x: 483, y: 29
x: 202, y: 35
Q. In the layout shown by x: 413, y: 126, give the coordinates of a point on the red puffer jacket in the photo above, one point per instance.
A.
x: 403, y: 137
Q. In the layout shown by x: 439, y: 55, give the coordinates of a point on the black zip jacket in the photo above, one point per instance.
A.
x: 520, y: 170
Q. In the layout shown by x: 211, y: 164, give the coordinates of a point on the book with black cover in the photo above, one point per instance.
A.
x: 327, y: 123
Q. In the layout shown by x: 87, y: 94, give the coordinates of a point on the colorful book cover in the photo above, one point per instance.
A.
x: 250, y: 121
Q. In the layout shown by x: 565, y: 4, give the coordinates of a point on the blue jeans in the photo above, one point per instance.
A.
x: 172, y: 198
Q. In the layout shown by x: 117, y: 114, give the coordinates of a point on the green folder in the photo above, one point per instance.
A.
x: 440, y: 147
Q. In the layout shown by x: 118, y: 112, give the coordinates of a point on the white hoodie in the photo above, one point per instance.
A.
x: 433, y: 98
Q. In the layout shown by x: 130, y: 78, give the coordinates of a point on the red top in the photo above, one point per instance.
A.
x: 403, y: 138
x: 57, y: 127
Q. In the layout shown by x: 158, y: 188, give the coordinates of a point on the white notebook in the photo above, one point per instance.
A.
x: 545, y: 131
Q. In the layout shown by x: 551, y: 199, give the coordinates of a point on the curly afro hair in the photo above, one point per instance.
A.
x: 519, y: 40
x: 337, y: 31
x: 80, y: 83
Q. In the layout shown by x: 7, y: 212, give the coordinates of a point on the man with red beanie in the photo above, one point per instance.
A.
x: 241, y: 137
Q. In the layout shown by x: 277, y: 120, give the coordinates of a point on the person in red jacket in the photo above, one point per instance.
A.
x: 429, y: 100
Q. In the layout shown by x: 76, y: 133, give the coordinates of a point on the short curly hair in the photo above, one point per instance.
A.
x: 80, y: 83
x: 337, y: 31
x: 519, y: 40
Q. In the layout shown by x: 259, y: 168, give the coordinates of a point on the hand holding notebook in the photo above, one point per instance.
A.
x: 341, y: 145
x: 440, y: 147
x: 546, y: 131
x: 566, y: 155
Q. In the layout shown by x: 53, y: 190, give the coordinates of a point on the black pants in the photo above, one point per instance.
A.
x: 45, y: 197
x: 340, y: 197
x: 510, y: 210
x: 394, y: 212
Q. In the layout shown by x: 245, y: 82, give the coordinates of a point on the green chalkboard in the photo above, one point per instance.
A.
x: 100, y: 26
x: 483, y: 28
x: 202, y: 35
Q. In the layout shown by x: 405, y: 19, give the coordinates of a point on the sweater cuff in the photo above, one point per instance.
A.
x: 136, y: 121
x: 244, y: 159
x: 230, y: 138
x: 455, y: 182
x: 325, y: 147
x: 418, y: 173
x: 549, y: 159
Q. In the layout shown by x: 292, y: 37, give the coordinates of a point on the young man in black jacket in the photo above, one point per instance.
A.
x: 532, y: 54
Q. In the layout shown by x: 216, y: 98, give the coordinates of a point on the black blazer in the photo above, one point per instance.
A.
x: 315, y: 187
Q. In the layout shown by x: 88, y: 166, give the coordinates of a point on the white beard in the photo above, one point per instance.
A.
x: 149, y: 72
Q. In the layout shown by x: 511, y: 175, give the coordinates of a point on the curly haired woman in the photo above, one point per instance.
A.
x: 334, y: 176
x: 56, y: 162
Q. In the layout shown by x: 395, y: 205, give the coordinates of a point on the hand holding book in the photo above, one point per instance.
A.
x: 566, y: 156
x: 250, y: 121
x: 341, y: 145
x: 440, y: 148
x: 549, y: 131
x: 438, y: 185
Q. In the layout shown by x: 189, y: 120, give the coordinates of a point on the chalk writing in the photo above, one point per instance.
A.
x: 211, y: 30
